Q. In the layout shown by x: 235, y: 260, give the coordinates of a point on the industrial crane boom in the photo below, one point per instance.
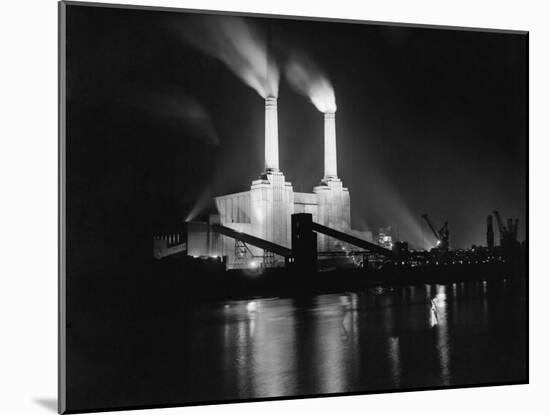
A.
x: 436, y: 234
x: 441, y: 235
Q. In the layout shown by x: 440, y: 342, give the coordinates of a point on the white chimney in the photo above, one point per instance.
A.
x: 330, y: 145
x: 271, y: 135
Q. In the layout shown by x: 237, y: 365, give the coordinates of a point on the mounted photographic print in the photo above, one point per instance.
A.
x: 261, y: 207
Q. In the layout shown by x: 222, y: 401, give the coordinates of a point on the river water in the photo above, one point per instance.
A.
x: 172, y: 351
x: 378, y: 339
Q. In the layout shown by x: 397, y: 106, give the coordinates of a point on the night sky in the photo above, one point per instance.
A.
x: 429, y: 121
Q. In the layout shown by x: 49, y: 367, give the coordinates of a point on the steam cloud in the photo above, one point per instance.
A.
x: 308, y: 79
x: 185, y: 111
x: 239, y: 46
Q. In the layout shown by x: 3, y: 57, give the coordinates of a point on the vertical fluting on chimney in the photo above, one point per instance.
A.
x: 271, y: 135
x: 330, y: 145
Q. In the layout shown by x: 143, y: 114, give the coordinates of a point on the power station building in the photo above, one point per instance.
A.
x: 265, y: 209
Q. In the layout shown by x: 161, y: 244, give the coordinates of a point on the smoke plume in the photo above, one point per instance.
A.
x: 307, y: 78
x: 183, y: 111
x: 237, y: 44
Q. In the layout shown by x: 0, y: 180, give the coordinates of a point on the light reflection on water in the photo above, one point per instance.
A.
x: 443, y: 346
x: 430, y: 335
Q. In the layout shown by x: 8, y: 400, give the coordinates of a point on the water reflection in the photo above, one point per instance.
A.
x: 427, y: 335
x: 439, y: 308
x: 394, y: 355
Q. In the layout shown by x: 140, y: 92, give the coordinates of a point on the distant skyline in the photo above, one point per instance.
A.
x: 428, y: 121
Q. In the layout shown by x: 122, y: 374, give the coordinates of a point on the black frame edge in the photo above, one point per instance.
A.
x: 61, y: 103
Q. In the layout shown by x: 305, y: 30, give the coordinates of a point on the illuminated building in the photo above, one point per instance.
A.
x: 265, y: 209
x: 384, y: 237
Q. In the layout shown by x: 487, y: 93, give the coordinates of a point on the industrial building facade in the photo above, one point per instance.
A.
x: 265, y: 210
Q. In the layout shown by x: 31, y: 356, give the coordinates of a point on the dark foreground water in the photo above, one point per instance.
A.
x: 377, y: 339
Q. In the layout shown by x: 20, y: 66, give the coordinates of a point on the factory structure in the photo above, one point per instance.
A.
x: 270, y: 225
x: 264, y: 210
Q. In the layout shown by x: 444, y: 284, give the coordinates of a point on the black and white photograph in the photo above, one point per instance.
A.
x: 258, y: 207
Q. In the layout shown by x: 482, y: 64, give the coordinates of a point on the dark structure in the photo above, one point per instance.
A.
x: 509, y: 233
x: 253, y: 240
x: 442, y: 235
x: 304, y: 243
x: 490, y: 233
x: 401, y: 250
x: 350, y: 239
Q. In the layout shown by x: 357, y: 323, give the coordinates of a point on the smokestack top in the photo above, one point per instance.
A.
x: 271, y: 103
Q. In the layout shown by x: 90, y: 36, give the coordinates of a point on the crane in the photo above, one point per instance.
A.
x: 508, y: 234
x: 442, y: 235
